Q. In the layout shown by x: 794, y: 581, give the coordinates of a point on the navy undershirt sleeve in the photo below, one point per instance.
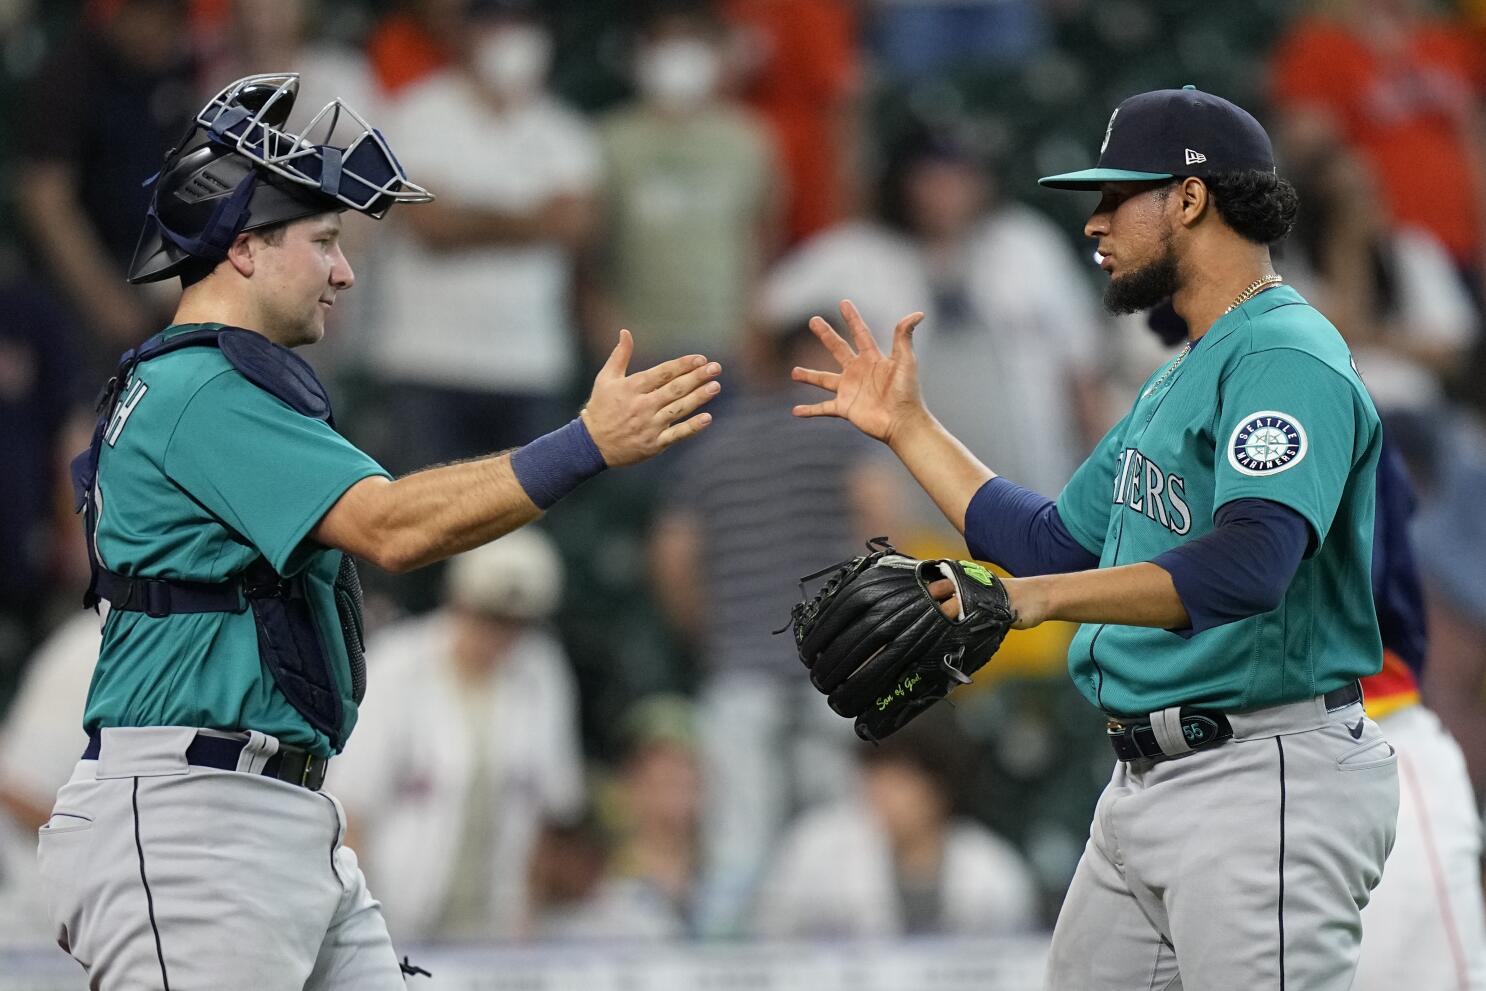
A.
x: 1240, y: 569
x: 1021, y: 531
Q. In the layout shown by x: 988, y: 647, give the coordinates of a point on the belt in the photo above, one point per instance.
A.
x: 290, y: 764
x: 1135, y: 739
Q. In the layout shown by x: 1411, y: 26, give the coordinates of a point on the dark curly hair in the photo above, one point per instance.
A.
x: 1258, y: 205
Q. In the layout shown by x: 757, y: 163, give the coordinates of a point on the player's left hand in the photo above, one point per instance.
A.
x: 635, y: 417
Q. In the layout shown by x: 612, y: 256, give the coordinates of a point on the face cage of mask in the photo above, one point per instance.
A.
x: 364, y: 175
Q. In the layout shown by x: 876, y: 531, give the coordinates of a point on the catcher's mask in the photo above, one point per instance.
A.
x: 239, y: 169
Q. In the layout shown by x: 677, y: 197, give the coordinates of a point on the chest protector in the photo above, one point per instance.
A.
x: 289, y: 641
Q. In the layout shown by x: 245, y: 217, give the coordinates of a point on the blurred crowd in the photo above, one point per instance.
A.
x: 587, y: 730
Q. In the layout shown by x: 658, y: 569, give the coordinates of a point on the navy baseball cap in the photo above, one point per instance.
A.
x: 1168, y: 133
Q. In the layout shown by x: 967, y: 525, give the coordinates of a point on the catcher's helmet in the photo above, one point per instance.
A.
x: 238, y: 169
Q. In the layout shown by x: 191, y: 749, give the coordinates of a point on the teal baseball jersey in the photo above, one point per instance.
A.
x: 1267, y: 405
x: 200, y: 473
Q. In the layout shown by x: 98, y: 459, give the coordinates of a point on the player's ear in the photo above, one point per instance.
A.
x: 242, y: 254
x: 1192, y: 199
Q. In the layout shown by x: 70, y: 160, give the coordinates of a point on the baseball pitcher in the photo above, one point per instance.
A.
x: 1216, y: 549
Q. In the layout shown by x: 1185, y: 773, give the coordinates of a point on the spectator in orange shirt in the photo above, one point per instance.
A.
x: 1405, y: 89
x: 414, y: 41
x: 801, y: 72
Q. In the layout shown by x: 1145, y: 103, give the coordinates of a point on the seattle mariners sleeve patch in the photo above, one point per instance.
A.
x: 1267, y: 443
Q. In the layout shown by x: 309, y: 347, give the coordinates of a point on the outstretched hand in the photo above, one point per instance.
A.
x: 635, y: 417
x: 876, y: 393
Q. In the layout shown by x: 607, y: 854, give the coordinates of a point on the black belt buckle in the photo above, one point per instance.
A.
x: 147, y: 595
x: 1126, y: 744
x: 305, y: 770
x: 156, y: 597
x: 297, y: 767
x: 313, y: 775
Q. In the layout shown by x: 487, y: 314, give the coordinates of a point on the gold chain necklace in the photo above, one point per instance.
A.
x: 1253, y: 289
x: 1186, y: 350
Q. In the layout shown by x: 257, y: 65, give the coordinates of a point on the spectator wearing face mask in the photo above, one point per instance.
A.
x: 476, y: 346
x: 690, y: 198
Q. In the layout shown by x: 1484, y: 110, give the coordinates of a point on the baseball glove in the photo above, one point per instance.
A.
x: 877, y: 644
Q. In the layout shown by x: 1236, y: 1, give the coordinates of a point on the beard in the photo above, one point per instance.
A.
x: 1144, y: 287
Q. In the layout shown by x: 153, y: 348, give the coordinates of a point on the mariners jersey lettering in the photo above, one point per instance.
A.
x: 202, y: 472
x: 1144, y: 487
x: 1266, y: 406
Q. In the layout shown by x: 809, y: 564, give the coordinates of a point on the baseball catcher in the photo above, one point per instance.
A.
x: 193, y: 847
x: 884, y: 639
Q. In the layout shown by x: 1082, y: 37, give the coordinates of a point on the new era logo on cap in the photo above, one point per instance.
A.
x: 1155, y: 136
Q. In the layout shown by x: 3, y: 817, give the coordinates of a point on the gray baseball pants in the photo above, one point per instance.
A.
x: 165, y: 875
x: 1238, y: 866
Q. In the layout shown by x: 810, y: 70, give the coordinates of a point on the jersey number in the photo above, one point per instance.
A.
x: 130, y: 399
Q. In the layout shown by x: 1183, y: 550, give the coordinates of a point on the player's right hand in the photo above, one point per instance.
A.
x: 876, y: 393
x: 634, y: 417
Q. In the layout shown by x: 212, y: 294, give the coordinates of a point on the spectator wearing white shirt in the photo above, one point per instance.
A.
x: 272, y: 35
x: 275, y: 35
x: 466, y: 743
x: 476, y: 345
x: 748, y: 512
x: 692, y: 203
x: 40, y: 742
x: 896, y: 861
x: 1013, y: 344
x: 649, y: 889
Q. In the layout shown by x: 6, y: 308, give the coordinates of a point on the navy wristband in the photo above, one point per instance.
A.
x: 554, y: 464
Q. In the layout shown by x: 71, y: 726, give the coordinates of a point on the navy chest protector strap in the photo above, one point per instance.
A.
x: 288, y: 637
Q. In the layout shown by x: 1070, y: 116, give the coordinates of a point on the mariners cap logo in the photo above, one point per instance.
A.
x: 1267, y: 443
x: 1108, y: 130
